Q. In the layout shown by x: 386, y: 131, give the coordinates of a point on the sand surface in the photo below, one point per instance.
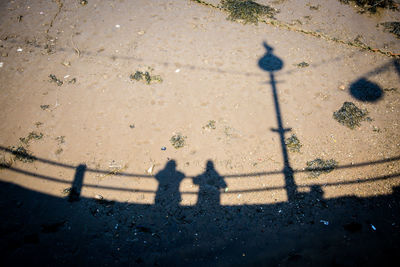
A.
x: 116, y: 127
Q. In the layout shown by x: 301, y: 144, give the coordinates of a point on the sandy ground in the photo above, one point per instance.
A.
x: 116, y: 127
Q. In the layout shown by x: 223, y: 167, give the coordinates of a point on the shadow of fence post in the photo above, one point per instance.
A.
x: 76, y: 187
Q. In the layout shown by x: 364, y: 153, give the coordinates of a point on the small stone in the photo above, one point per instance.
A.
x: 98, y: 197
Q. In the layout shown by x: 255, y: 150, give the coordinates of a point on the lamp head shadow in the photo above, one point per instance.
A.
x: 270, y: 62
x: 365, y: 90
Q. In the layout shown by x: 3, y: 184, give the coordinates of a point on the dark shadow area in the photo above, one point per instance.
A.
x: 365, y: 90
x: 41, y: 229
x: 307, y: 230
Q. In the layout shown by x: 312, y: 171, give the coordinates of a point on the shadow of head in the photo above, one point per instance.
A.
x: 270, y: 62
x: 367, y: 91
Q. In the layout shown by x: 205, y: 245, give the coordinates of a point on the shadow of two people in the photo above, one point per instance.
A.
x: 169, y: 179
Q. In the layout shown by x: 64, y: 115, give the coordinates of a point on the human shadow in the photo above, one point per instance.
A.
x: 169, y: 179
x: 210, y: 186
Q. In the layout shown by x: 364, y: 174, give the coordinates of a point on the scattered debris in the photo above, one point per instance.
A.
x: 22, y: 154
x: 54, y: 79
x: 66, y: 63
x: 178, y: 140
x: 247, y: 11
x: 318, y: 166
x: 67, y: 190
x: 372, y: 5
x: 31, y: 135
x: 5, y: 163
x: 324, y: 222
x: 302, y: 64
x: 392, y: 27
x: 293, y: 143
x: 72, y: 81
x: 376, y: 129
x: 317, y: 34
x: 146, y: 76
x: 350, y: 115
x: 358, y: 39
x: 38, y: 124
x: 114, y: 170
x: 373, y: 227
x: 1, y: 64
x: 60, y: 139
x: 19, y: 49
x: 210, y: 125
x: 44, y: 107
x: 314, y: 7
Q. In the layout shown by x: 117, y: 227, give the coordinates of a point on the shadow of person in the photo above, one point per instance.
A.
x: 210, y: 184
x: 169, y: 179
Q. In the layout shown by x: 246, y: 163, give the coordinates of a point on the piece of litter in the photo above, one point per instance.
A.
x: 239, y: 196
x: 163, y: 148
x: 226, y: 189
x: 150, y: 170
x: 177, y: 70
x: 373, y: 227
x: 116, y: 226
x: 117, y: 26
x: 1, y: 64
x: 279, y: 211
x: 19, y: 50
x: 324, y: 222
x: 41, y: 13
x: 66, y: 76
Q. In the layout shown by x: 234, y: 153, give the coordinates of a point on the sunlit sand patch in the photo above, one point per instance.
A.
x: 254, y: 190
x: 189, y: 192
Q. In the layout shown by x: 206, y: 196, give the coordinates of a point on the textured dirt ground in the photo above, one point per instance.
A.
x: 116, y: 127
